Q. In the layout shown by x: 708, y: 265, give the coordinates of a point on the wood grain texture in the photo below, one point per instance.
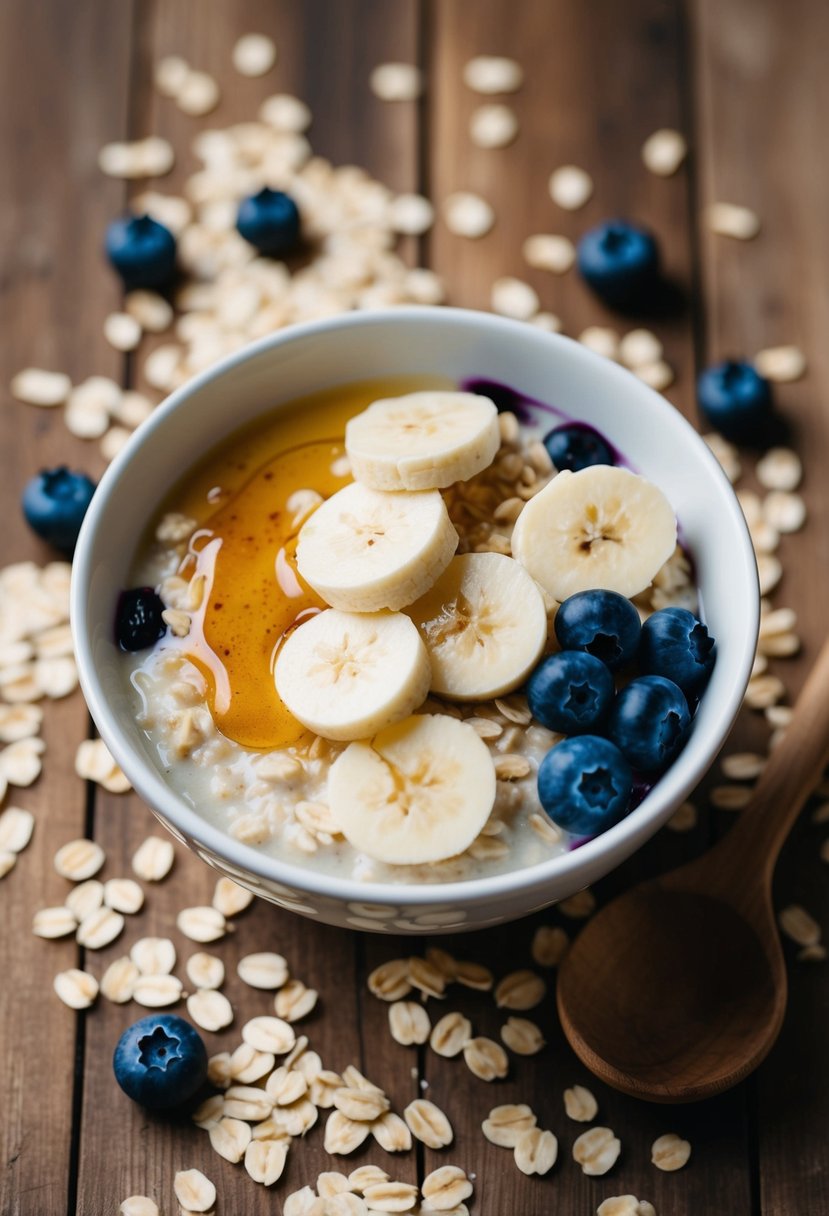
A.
x: 324, y: 58
x: 598, y: 82
x: 760, y: 86
x: 50, y: 131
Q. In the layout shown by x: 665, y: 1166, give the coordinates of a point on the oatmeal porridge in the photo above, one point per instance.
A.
x: 394, y: 631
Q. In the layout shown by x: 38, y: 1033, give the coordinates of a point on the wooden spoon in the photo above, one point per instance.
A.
x: 677, y: 989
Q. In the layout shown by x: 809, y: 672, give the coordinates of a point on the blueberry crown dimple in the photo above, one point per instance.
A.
x: 158, y: 1049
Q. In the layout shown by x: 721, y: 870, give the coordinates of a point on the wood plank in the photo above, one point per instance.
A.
x: 761, y: 87
x: 54, y: 293
x: 595, y: 88
x: 325, y: 55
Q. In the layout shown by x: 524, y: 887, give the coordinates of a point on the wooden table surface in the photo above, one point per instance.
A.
x: 746, y: 80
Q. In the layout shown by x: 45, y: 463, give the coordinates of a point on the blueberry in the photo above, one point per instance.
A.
x: 649, y: 722
x: 160, y: 1061
x: 269, y: 220
x: 735, y: 399
x: 603, y: 623
x: 54, y: 504
x: 570, y: 692
x: 138, y: 623
x: 620, y: 261
x: 584, y: 784
x: 142, y: 251
x: 576, y: 446
x: 676, y: 644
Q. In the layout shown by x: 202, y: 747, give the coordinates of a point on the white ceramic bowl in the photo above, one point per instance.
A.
x: 406, y: 341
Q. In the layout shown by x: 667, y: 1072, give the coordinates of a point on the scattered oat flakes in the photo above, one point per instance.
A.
x: 205, y: 970
x: 485, y: 1058
x: 781, y: 363
x: 684, y: 818
x: 99, y: 928
x: 426, y: 977
x: 664, y: 151
x: 467, y: 214
x: 450, y: 1034
x: 640, y: 348
x: 658, y: 376
x: 799, y: 925
x: 19, y: 722
x: 493, y: 126
x: 474, y: 975
x: 669, y: 1152
x: 520, y: 990
x: 513, y: 298
x: 266, y: 970
x: 784, y: 511
x: 601, y: 339
x: 34, y: 386
x: 428, y: 1123
x: 77, y: 989
x: 522, y: 1036
x: 729, y: 219
x: 199, y: 94
x: 269, y: 1034
x: 230, y: 1138
x: 625, y: 1205
x: 79, y: 859
x: 549, y: 945
x: 578, y: 906
x: 344, y: 1135
x: 194, y: 1191
x: 153, y: 955
x: 202, y: 924
x: 170, y: 74
x: 779, y: 469
x: 93, y: 762
x: 118, y: 981
x: 729, y: 797
x: 122, y: 331
x: 396, y: 82
x: 254, y: 55
x: 149, y: 310
x: 210, y: 1009
x: 445, y: 1188
x: 230, y: 898
x: 86, y: 897
x: 123, y: 895
x: 493, y: 74
x: 54, y: 922
x: 812, y: 954
x: 411, y: 214
x: 596, y: 1151
x: 151, y: 157
x: 570, y: 187
x: 743, y: 766
x: 391, y: 1133
x: 505, y: 1125
x: 153, y: 859
x: 286, y: 113
x: 20, y: 762
x: 156, y: 991
x: 580, y: 1105
x: 138, y: 1205
x: 7, y: 862
x: 295, y: 1001
x: 265, y: 1160
x: 16, y: 827
x: 536, y: 1151
x: 549, y: 252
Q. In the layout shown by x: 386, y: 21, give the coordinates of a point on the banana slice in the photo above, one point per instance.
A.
x: 422, y: 441
x: 419, y: 791
x: 484, y: 624
x: 364, y: 550
x: 599, y: 527
x: 346, y: 675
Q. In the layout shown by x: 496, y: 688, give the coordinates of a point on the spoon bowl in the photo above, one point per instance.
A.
x: 677, y: 989
x: 704, y: 1002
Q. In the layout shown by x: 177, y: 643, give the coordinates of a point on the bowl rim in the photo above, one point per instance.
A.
x: 246, y: 858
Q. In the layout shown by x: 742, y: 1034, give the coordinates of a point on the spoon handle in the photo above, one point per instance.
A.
x: 751, y: 848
